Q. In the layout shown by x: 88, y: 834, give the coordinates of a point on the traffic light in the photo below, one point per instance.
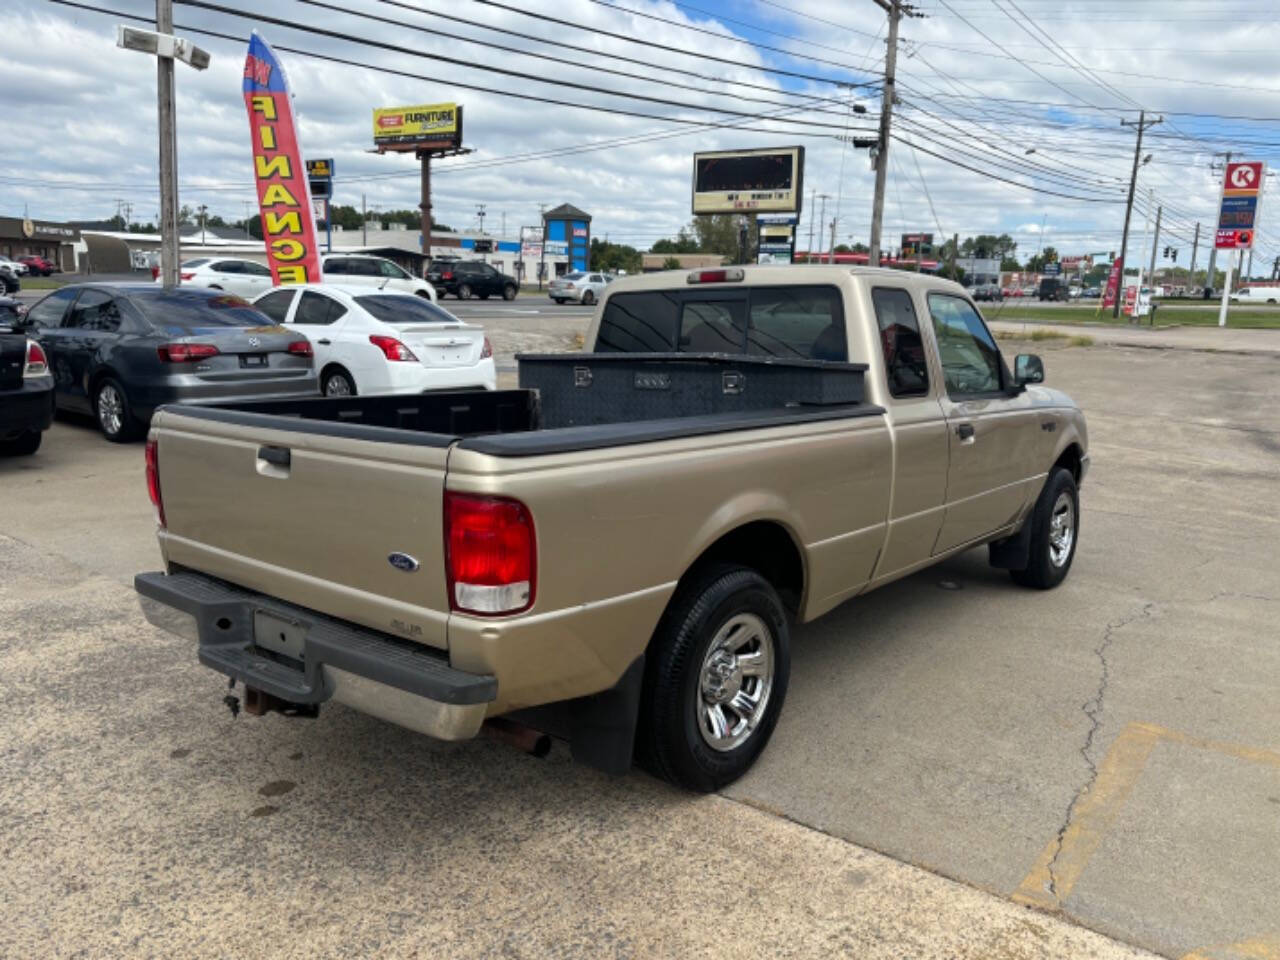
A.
x: 1174, y: 255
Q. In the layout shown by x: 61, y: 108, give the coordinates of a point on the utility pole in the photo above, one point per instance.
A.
x: 1226, y: 289
x: 1213, y: 250
x: 832, y: 245
x: 1155, y: 245
x: 542, y: 250
x: 1275, y: 269
x: 955, y: 245
x: 1142, y: 124
x: 894, y: 8
x: 364, y: 223
x: 480, y: 213
x: 822, y: 218
x: 248, y: 206
x: 169, y: 249
x: 1191, y: 271
x: 203, y: 211
x: 503, y: 233
x: 813, y: 196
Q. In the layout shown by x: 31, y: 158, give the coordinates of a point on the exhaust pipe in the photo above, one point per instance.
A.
x: 526, y: 739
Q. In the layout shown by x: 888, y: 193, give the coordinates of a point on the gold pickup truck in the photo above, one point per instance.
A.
x: 632, y: 533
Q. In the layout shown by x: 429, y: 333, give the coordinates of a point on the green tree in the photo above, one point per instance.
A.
x: 213, y: 220
x: 1047, y: 255
x: 684, y: 242
x: 671, y: 263
x: 186, y: 214
x: 721, y: 233
x: 612, y: 257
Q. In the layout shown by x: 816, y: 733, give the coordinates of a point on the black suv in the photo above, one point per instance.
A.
x: 1053, y: 288
x: 471, y: 278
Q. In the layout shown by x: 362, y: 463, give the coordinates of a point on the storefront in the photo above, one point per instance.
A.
x: 20, y: 237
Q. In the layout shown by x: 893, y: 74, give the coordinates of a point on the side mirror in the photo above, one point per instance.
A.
x: 1028, y: 368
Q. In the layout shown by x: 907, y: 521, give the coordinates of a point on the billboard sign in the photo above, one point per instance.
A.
x: 1051, y: 269
x: 1238, y: 209
x: 284, y: 194
x: 916, y: 245
x: 426, y: 126
x: 767, y: 180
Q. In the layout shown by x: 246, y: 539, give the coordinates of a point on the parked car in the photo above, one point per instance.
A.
x: 16, y: 267
x: 244, y: 278
x: 586, y: 288
x: 1257, y: 295
x: 465, y: 279
x: 1074, y: 292
x: 1052, y: 288
x: 361, y: 270
x: 9, y: 282
x: 988, y: 291
x: 370, y: 341
x: 119, y: 351
x: 634, y: 534
x: 1092, y: 293
x: 26, y: 394
x: 37, y: 266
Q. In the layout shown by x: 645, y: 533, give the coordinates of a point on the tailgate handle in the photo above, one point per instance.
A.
x: 278, y: 455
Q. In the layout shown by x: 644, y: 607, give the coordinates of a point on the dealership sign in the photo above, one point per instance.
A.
x: 768, y: 180
x: 1238, y: 210
x: 284, y: 195
x: 429, y: 126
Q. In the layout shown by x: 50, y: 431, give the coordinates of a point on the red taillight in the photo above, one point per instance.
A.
x: 186, y: 276
x: 391, y: 348
x: 301, y: 348
x: 730, y: 275
x: 487, y: 350
x: 490, y: 554
x: 37, y: 363
x: 186, y: 352
x: 153, y: 479
x: 447, y: 275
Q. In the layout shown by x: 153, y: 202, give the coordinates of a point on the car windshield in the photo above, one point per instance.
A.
x: 404, y: 309
x: 187, y: 308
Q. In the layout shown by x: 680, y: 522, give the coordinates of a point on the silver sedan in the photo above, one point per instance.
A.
x: 585, y: 288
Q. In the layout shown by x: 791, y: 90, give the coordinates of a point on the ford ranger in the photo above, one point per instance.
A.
x: 632, y: 534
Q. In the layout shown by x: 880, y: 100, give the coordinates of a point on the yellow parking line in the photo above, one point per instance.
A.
x: 1063, y: 860
x: 1264, y: 948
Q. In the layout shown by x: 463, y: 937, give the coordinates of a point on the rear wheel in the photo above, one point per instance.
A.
x: 1055, y: 529
x: 559, y: 300
x: 464, y: 291
x: 115, y: 418
x: 336, y: 382
x: 588, y: 298
x: 509, y: 292
x: 24, y: 444
x: 716, y: 677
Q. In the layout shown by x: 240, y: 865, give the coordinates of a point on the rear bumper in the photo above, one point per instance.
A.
x: 306, y: 657
x: 30, y: 407
x: 419, y: 378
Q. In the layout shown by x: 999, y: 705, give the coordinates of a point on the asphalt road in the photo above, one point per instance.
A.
x: 1108, y: 752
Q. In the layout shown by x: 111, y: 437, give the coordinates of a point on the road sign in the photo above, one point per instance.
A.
x: 1052, y: 269
x: 1238, y: 209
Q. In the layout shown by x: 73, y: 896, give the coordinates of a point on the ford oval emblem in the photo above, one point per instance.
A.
x: 402, y: 561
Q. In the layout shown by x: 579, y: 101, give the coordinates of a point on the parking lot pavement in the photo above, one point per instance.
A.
x: 1107, y: 753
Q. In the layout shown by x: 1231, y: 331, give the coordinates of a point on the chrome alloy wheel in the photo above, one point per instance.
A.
x: 735, y: 682
x: 1062, y: 529
x: 110, y: 409
x: 337, y: 386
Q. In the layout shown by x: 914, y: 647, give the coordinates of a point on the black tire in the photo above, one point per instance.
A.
x: 559, y: 300
x: 23, y: 445
x: 464, y: 291
x: 588, y: 298
x: 112, y: 411
x: 509, y: 292
x: 336, y: 382
x: 670, y: 741
x: 1043, y: 571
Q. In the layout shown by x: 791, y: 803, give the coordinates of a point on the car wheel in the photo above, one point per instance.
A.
x: 559, y: 300
x: 337, y: 383
x: 464, y: 291
x: 1272, y: 300
x: 509, y: 292
x: 111, y: 407
x: 588, y: 298
x: 1055, y: 531
x: 24, y: 444
x: 715, y: 679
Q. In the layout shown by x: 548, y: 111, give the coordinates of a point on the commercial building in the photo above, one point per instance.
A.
x: 56, y: 242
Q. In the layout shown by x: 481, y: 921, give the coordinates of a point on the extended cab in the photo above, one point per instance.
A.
x: 632, y: 534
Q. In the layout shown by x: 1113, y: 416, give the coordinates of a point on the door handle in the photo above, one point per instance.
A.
x: 964, y: 431
x: 324, y: 343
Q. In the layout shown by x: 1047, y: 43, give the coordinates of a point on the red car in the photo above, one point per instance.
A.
x: 38, y: 266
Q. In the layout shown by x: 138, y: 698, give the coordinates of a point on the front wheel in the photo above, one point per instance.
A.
x: 508, y: 292
x: 115, y: 418
x: 588, y: 298
x: 715, y: 680
x: 464, y: 292
x: 1055, y: 531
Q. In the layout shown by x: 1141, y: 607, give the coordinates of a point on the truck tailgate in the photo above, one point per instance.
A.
x: 348, y: 526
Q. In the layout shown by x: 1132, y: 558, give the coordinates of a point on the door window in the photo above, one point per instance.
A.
x: 797, y: 322
x: 276, y: 305
x: 904, y: 357
x: 389, y: 269
x: 95, y: 310
x: 228, y: 266
x: 48, y: 313
x: 596, y: 278
x: 970, y: 357
x: 364, y: 268
x: 334, y: 266
x: 318, y: 310
x: 256, y: 269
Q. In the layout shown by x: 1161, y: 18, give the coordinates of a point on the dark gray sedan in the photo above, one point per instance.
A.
x: 119, y: 351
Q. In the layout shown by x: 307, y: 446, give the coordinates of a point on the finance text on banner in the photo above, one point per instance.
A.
x: 284, y: 195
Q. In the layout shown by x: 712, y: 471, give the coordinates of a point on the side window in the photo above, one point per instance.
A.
x: 48, y: 313
x: 639, y: 323
x: 318, y: 310
x: 797, y: 322
x: 364, y: 268
x: 228, y: 266
x: 334, y: 266
x: 713, y: 326
x: 256, y: 269
x: 596, y: 278
x: 389, y: 269
x: 275, y: 305
x: 970, y: 358
x: 95, y: 310
x: 904, y: 357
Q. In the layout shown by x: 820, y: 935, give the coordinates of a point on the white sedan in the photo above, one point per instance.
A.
x: 369, y: 341
x: 244, y: 278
